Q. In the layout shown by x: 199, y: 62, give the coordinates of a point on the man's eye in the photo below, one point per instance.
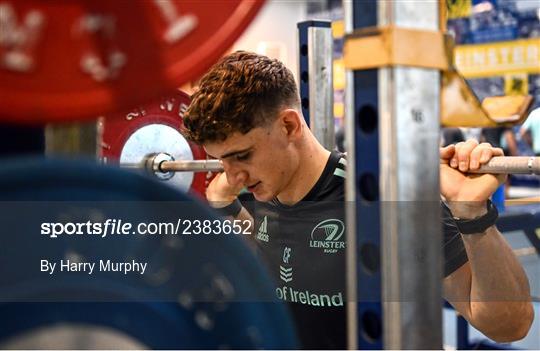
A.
x: 243, y: 157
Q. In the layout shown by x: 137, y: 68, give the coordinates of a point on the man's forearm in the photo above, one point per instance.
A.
x: 499, y: 293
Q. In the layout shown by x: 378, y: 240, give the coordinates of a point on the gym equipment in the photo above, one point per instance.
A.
x: 390, y: 45
x: 392, y: 121
x: 130, y: 136
x: 74, y: 60
x: 193, y: 166
x: 193, y: 296
x: 511, y: 165
x: 316, y: 76
x: 394, y: 110
x: 461, y: 108
x: 163, y: 165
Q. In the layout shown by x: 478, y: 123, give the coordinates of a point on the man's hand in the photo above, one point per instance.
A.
x: 220, y: 193
x: 465, y: 193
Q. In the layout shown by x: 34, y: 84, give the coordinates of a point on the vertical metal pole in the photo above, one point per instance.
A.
x: 364, y: 312
x: 409, y: 159
x: 316, y: 83
x: 350, y: 198
x: 393, y: 130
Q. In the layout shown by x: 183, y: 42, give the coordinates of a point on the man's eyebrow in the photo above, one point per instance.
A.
x: 232, y: 153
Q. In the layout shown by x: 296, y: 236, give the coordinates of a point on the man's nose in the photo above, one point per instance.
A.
x: 235, y: 175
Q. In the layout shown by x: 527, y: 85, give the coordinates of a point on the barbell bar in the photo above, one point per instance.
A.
x: 192, y: 166
x: 163, y: 165
x: 511, y: 165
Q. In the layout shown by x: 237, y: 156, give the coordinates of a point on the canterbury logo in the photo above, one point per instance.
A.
x: 285, y: 274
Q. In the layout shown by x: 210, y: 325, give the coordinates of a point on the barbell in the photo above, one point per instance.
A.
x: 128, y: 136
x: 511, y: 165
x: 163, y: 165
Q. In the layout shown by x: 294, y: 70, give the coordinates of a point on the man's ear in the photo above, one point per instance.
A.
x: 291, y: 122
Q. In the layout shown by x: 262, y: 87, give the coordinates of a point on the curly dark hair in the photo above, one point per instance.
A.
x: 242, y: 91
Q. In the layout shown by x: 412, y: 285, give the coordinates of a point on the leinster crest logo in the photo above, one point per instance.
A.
x: 328, y: 235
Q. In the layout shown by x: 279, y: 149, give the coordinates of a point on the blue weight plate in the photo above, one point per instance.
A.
x: 199, y: 291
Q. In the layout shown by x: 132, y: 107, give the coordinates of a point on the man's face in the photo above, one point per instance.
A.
x: 261, y: 160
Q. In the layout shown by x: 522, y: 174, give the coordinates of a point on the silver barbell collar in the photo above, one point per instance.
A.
x: 153, y: 162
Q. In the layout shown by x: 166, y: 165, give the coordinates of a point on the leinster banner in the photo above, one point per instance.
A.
x: 494, y: 59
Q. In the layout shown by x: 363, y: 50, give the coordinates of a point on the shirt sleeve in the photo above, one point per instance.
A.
x: 455, y: 254
x: 527, y: 124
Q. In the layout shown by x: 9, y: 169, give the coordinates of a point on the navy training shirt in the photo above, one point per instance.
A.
x: 303, y: 246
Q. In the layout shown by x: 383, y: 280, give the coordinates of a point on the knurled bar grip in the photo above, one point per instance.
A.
x: 511, y: 165
x: 191, y: 166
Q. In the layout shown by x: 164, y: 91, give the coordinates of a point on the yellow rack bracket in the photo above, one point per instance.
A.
x: 389, y: 46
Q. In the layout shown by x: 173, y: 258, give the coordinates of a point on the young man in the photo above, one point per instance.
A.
x: 247, y: 114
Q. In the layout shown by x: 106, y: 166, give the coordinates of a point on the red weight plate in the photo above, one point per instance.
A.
x: 71, y: 60
x: 155, y: 127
